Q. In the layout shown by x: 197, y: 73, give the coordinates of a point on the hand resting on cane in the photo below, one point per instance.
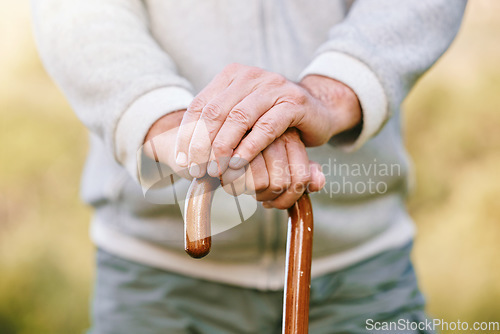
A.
x: 277, y: 176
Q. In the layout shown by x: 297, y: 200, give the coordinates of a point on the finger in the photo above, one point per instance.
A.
x: 257, y: 177
x: 186, y: 130
x: 193, y: 113
x: 212, y: 117
x: 267, y: 128
x: 316, y: 184
x: 159, y: 148
x: 239, y: 120
x: 318, y: 179
x: 212, y: 167
x: 277, y: 167
x: 233, y: 181
x: 300, y: 173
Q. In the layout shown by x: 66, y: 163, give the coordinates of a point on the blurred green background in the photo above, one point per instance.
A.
x: 452, y: 123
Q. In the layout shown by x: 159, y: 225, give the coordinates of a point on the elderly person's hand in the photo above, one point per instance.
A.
x: 277, y: 176
x: 244, y: 109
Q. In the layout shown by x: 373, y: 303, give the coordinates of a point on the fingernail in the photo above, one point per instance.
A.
x: 266, y: 205
x: 194, y: 170
x: 213, y: 169
x: 236, y: 162
x: 181, y: 159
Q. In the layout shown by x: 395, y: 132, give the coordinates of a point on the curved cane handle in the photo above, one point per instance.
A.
x: 197, y: 228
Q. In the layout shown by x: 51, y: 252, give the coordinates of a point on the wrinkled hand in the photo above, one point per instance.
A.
x: 279, y: 175
x: 244, y: 109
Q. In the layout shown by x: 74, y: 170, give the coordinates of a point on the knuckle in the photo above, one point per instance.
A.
x: 267, y: 127
x: 252, y: 72
x: 301, y: 173
x: 279, y: 184
x: 286, y: 183
x: 212, y: 111
x: 296, y: 95
x: 196, y: 106
x: 218, y: 146
x: 276, y: 79
x: 233, y: 67
x: 286, y: 179
x: 278, y: 142
x: 302, y: 179
x: 298, y: 187
x: 252, y: 145
x: 261, y: 184
x: 275, y: 188
x: 239, y: 115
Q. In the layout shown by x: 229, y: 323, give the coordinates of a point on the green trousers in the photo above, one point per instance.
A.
x: 132, y: 298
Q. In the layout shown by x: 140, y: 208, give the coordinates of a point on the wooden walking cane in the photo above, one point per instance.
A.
x: 298, y: 267
x: 298, y: 253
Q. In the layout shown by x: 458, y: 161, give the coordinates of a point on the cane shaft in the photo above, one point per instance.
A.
x: 298, y: 267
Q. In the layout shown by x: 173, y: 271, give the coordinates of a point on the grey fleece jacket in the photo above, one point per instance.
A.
x: 123, y: 64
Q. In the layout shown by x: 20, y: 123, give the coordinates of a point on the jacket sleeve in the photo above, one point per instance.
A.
x: 381, y: 49
x: 112, y: 71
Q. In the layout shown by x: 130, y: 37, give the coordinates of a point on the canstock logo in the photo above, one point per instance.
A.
x: 164, y: 183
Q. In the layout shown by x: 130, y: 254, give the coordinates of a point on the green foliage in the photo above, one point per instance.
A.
x: 45, y: 254
x: 452, y: 134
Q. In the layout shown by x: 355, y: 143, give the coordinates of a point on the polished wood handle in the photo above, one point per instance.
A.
x: 298, y: 267
x: 197, y: 228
